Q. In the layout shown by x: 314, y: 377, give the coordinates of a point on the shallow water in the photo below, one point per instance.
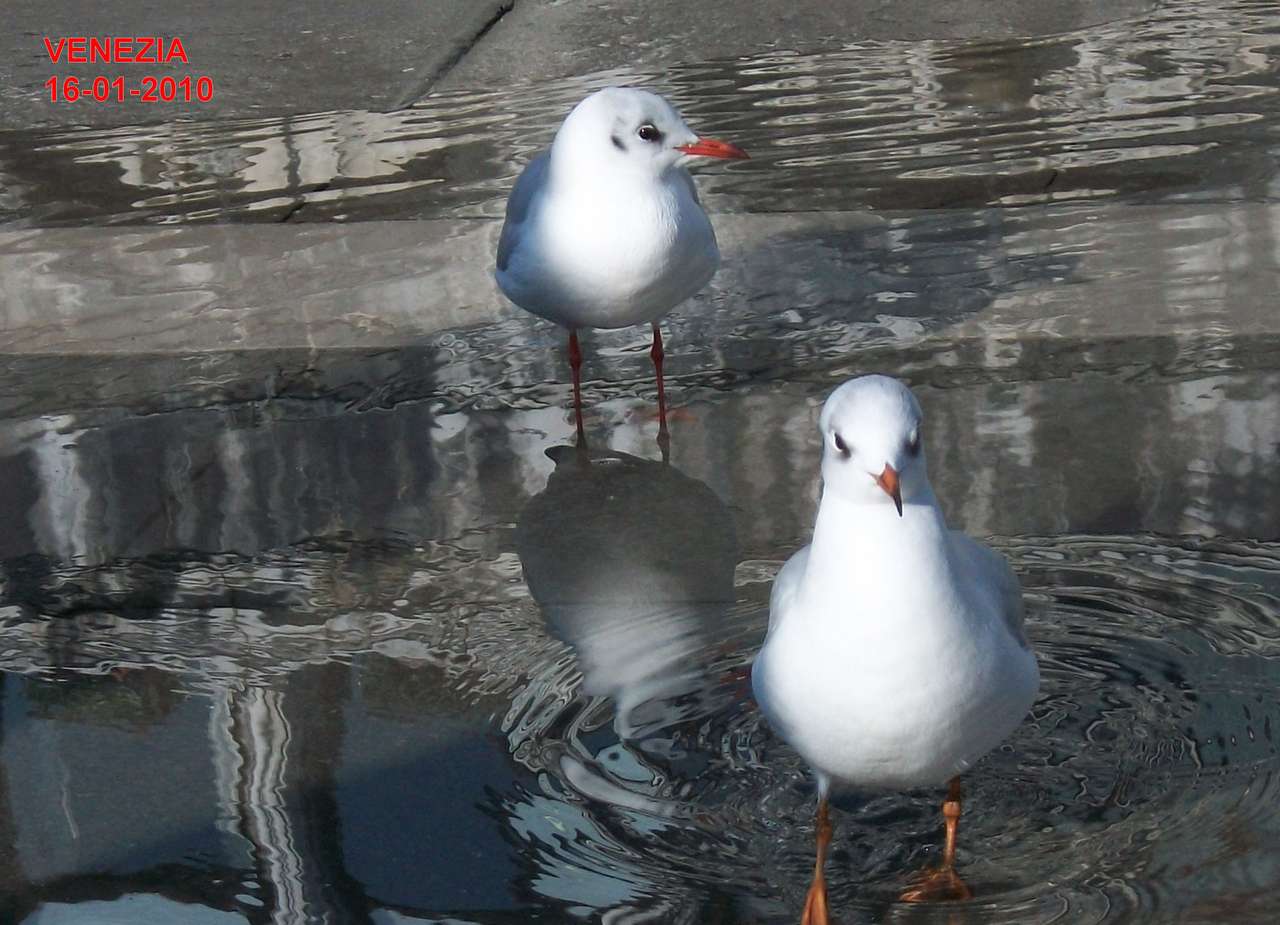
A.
x: 1180, y: 102
x: 550, y: 717
x: 352, y: 633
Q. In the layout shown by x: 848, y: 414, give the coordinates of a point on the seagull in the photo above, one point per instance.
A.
x: 605, y: 229
x: 895, y: 656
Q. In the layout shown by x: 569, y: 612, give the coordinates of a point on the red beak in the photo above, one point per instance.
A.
x: 888, y: 480
x: 710, y: 147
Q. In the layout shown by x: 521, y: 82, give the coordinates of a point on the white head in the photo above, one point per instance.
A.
x: 622, y: 129
x: 871, y: 443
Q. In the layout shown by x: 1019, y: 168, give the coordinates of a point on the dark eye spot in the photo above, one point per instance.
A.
x: 913, y: 445
x: 841, y: 445
x: 649, y: 132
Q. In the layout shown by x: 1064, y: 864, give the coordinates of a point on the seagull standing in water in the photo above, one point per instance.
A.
x: 896, y: 656
x: 605, y: 230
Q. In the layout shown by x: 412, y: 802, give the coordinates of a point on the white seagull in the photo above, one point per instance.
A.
x: 605, y: 230
x: 896, y: 656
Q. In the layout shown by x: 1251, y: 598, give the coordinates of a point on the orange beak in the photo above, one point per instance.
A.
x: 710, y: 147
x: 888, y: 480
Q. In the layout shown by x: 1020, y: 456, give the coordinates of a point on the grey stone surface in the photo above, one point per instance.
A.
x: 542, y: 39
x: 294, y: 57
x: 277, y: 58
x: 1072, y: 273
x: 228, y: 287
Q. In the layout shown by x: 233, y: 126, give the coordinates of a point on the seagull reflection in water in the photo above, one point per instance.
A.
x: 631, y: 563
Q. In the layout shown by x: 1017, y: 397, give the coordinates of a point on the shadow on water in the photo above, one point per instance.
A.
x: 348, y: 634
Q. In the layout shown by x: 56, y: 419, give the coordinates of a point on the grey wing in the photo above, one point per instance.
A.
x: 980, y: 559
x: 527, y: 186
x: 786, y: 585
x: 688, y: 182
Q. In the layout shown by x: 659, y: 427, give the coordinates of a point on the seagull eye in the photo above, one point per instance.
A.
x: 841, y: 446
x: 649, y: 132
x: 913, y: 445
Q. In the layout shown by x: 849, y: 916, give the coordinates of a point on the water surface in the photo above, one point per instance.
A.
x: 1178, y: 103
x: 347, y: 630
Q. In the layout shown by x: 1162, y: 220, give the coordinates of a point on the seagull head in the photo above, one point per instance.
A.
x: 623, y: 129
x: 872, y: 444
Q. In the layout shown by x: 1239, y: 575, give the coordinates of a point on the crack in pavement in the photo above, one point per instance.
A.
x: 460, y: 51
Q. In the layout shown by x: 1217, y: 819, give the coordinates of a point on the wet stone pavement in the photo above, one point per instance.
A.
x: 309, y: 612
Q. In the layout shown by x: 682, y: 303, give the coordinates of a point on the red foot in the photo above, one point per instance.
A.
x: 815, y: 906
x: 937, y: 886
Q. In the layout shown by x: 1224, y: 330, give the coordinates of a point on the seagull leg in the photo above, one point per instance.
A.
x: 951, y: 818
x: 575, y: 363
x: 656, y: 354
x: 944, y: 883
x: 815, y: 904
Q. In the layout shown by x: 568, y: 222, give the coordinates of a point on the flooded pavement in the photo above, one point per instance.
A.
x: 1179, y: 103
x: 312, y: 613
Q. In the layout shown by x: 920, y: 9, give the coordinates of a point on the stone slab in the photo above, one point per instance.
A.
x: 266, y: 59
x: 1075, y: 271
x: 546, y: 39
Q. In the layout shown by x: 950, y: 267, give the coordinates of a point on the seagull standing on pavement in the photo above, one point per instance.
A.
x: 605, y: 230
x: 895, y: 656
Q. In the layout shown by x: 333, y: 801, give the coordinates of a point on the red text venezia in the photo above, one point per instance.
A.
x: 133, y: 49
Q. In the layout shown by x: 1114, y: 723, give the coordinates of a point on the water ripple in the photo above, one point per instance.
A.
x: 1179, y: 101
x: 1143, y: 785
x: 1149, y: 753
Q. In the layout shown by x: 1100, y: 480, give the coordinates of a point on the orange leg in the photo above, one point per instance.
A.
x: 575, y: 363
x: 815, y: 904
x: 944, y: 883
x: 951, y: 818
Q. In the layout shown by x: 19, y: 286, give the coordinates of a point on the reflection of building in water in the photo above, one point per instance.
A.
x: 203, y: 170
x: 1052, y: 452
x: 249, y: 738
x: 370, y: 681
x: 1228, y: 484
x: 309, y: 796
x: 219, y: 479
x: 328, y: 791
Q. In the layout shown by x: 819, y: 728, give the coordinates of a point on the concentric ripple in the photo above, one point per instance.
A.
x: 1144, y: 782
x: 648, y: 787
